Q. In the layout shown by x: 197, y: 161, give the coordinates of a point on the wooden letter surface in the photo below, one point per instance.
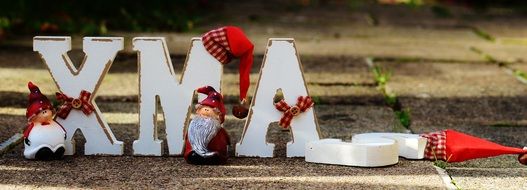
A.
x: 157, y: 82
x: 100, y: 53
x: 367, y: 149
x: 281, y: 69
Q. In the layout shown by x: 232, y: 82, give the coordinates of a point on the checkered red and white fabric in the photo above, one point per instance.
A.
x: 82, y: 103
x: 303, y: 103
x: 215, y: 42
x: 436, y: 146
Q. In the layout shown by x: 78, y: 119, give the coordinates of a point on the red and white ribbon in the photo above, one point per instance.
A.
x: 303, y: 103
x: 82, y: 103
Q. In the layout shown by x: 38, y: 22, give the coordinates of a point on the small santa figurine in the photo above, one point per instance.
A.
x: 43, y: 137
x: 206, y: 142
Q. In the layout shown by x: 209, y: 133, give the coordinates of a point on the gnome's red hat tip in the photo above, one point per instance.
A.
x: 206, y: 90
x: 31, y: 86
x: 37, y: 101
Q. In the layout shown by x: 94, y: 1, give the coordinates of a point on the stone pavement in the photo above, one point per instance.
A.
x: 435, y: 75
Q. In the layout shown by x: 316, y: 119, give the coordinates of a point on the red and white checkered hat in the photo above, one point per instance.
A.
x: 214, y: 100
x: 227, y: 42
x: 37, y: 101
x: 453, y: 146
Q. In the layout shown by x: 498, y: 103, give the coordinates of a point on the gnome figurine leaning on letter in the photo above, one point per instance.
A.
x: 206, y: 142
x: 43, y: 137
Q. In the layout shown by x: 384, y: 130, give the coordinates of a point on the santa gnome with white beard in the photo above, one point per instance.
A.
x: 206, y: 142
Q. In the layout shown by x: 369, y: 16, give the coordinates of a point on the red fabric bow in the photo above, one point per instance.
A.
x: 82, y: 103
x: 303, y: 103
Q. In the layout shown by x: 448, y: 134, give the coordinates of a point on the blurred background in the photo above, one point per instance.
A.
x: 99, y: 17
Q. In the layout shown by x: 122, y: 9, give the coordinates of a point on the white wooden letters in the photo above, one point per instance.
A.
x: 158, y: 82
x: 367, y: 150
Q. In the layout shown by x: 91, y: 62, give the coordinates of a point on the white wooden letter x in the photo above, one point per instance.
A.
x: 100, y: 53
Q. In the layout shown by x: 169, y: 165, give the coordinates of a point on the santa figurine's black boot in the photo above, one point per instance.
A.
x: 59, y: 153
x: 195, y: 158
x: 44, y: 154
x: 215, y: 160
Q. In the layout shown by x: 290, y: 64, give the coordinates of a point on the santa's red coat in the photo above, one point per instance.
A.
x: 219, y: 144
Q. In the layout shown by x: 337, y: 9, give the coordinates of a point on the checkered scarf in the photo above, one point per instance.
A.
x: 303, y: 103
x: 215, y: 42
x: 436, y: 146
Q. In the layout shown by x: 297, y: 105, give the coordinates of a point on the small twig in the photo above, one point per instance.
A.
x: 482, y: 34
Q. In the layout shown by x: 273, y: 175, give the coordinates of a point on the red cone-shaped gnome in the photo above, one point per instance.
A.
x: 453, y: 146
x: 43, y: 137
x: 206, y: 142
x: 230, y: 42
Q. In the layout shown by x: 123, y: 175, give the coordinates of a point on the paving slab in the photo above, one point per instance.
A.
x: 10, y: 126
x: 480, y: 96
x: 173, y: 172
x: 501, y: 172
x: 439, y: 79
x: 519, y: 66
x: 478, y: 99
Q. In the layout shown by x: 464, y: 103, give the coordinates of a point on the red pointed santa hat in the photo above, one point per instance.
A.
x: 37, y: 101
x: 227, y: 42
x: 214, y: 100
x: 454, y: 146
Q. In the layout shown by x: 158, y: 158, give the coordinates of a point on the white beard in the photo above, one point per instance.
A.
x: 200, y: 132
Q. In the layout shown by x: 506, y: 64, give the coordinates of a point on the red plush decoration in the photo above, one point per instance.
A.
x: 225, y: 43
x: 453, y: 146
x: 522, y: 158
x: 463, y: 147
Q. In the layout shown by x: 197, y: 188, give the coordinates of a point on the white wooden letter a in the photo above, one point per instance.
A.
x: 281, y: 69
x: 100, y: 53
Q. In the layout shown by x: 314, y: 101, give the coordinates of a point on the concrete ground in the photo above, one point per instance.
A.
x: 435, y: 75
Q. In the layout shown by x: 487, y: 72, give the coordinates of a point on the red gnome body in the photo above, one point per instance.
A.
x: 230, y: 42
x: 453, y: 146
x: 206, y: 142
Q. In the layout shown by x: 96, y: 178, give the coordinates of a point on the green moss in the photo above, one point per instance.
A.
x: 404, y: 117
x: 382, y: 75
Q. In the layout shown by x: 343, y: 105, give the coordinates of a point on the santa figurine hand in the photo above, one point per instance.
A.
x: 43, y: 137
x: 206, y: 141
